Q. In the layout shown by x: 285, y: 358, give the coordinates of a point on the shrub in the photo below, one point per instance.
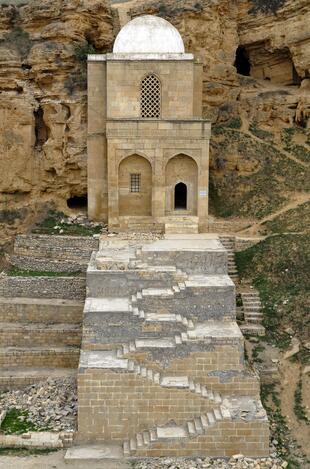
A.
x: 19, y: 39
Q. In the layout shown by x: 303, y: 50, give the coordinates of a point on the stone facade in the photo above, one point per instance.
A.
x: 145, y: 122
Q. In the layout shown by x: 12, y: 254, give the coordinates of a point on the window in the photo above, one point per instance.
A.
x: 150, y: 97
x: 135, y: 182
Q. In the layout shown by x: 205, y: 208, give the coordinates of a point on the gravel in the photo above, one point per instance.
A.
x: 51, y: 404
x: 237, y: 461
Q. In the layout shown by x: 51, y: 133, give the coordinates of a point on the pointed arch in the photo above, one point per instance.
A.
x: 135, y: 186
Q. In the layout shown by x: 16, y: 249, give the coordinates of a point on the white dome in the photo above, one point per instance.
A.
x: 148, y: 35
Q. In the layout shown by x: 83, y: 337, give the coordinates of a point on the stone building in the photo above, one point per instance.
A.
x: 148, y: 146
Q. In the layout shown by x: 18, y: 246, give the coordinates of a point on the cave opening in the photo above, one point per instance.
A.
x: 77, y: 202
x: 242, y: 62
x: 41, y: 129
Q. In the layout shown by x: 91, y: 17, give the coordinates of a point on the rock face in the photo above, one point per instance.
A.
x: 256, y: 57
x: 43, y: 101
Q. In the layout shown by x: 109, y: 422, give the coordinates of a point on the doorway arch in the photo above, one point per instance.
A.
x: 181, y: 185
x: 180, y: 196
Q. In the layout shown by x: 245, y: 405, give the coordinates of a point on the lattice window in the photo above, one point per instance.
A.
x: 135, y: 182
x: 150, y: 96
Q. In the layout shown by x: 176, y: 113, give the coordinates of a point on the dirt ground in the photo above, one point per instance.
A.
x: 56, y: 461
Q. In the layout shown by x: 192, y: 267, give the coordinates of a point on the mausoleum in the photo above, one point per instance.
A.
x: 148, y: 146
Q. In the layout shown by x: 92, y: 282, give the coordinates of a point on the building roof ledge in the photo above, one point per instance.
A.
x: 138, y: 57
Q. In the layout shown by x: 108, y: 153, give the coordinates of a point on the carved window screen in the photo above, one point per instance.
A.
x: 150, y: 97
x: 135, y: 182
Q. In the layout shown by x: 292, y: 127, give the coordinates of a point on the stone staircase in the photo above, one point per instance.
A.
x: 253, y: 315
x: 229, y: 244
x: 193, y: 428
x: 162, y: 352
x: 181, y: 225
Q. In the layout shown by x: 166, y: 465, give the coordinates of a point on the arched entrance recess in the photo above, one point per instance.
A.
x: 135, y: 186
x: 181, y: 181
x: 180, y: 196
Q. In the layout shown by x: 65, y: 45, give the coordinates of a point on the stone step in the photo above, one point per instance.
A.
x: 41, y: 357
x: 39, y: 335
x: 253, y: 320
x: 49, y: 265
x: 17, y: 378
x: 64, y: 288
x: 252, y: 329
x: 162, y: 292
x: 40, y: 310
x: 55, y: 246
x: 158, y: 317
x: 257, y: 309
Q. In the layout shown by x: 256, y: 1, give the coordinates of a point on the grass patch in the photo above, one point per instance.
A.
x: 57, y: 223
x: 17, y: 272
x: 27, y: 451
x: 260, y: 179
x: 279, y: 268
x: 299, y: 408
x: 16, y: 422
x: 296, y: 220
x: 256, y: 351
x: 260, y: 133
x: 297, y: 150
x: 278, y: 424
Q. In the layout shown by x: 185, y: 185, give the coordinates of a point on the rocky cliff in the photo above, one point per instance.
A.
x: 256, y: 57
x: 43, y: 101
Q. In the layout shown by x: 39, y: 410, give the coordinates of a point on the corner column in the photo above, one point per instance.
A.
x: 97, y: 183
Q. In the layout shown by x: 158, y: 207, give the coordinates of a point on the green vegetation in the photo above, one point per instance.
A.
x: 20, y: 40
x: 255, y: 187
x: 299, y: 151
x: 77, y: 80
x: 266, y: 6
x: 82, y: 49
x: 296, y: 220
x: 16, y: 272
x: 26, y: 451
x: 260, y: 133
x: 279, y: 268
x: 278, y: 423
x: 57, y: 223
x: 299, y: 408
x: 256, y: 351
x: 16, y: 421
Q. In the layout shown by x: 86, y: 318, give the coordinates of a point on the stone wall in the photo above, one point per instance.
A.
x: 43, y: 287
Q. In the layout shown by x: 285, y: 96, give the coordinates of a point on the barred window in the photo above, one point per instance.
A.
x: 135, y: 182
x: 150, y: 96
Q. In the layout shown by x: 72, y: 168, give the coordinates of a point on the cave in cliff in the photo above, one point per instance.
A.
x: 77, y: 202
x: 41, y: 129
x: 242, y: 62
x: 259, y: 61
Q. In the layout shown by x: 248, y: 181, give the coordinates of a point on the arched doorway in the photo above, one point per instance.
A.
x: 180, y: 196
x: 135, y: 186
x: 181, y: 185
